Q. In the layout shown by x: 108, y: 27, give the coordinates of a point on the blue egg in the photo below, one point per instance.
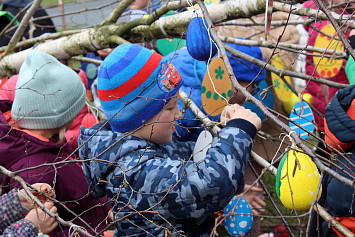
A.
x: 303, y: 116
x: 199, y: 40
x: 241, y: 222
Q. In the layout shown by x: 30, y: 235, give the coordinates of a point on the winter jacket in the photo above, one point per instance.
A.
x: 340, y: 123
x: 158, y: 188
x: 322, y: 94
x: 19, y: 150
x: 11, y: 214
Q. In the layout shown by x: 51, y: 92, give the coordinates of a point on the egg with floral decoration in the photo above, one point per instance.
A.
x: 199, y: 41
x: 239, y: 217
x: 297, y: 181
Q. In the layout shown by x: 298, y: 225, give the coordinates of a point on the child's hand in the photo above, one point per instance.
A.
x: 42, y: 187
x: 236, y: 111
x: 41, y: 220
x: 256, y: 204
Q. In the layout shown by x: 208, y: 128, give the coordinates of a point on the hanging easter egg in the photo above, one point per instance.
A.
x: 166, y: 46
x: 199, y: 41
x: 268, y: 101
x: 303, y: 116
x: 328, y: 67
x: 207, y: 2
x: 297, y: 181
x: 216, y: 88
x: 203, y: 142
x: 288, y: 105
x: 283, y: 92
x: 239, y: 217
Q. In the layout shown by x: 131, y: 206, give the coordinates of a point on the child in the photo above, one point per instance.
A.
x: 14, y: 204
x: 322, y: 94
x: 83, y: 118
x: 152, y: 183
x: 189, y: 127
x: 48, y: 97
x: 339, y: 125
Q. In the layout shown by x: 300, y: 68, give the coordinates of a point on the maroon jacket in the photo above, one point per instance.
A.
x: 19, y: 150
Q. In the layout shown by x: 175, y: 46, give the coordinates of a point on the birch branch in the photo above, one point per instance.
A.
x: 117, y: 12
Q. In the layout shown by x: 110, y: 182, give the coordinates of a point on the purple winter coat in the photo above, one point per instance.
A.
x: 19, y: 150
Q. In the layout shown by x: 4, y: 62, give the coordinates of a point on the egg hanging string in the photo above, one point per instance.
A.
x: 293, y: 144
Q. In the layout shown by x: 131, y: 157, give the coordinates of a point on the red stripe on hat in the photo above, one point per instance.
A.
x: 134, y: 82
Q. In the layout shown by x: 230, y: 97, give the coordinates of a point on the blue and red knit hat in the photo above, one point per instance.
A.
x: 134, y: 84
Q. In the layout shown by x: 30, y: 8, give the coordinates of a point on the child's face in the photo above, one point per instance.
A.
x: 162, y: 126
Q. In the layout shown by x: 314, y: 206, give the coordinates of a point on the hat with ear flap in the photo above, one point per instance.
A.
x: 48, y: 93
x: 134, y: 84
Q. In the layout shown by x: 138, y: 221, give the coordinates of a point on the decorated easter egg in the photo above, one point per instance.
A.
x: 216, y: 89
x: 283, y: 92
x: 199, y: 41
x: 203, y: 143
x: 288, y: 105
x: 328, y: 67
x: 239, y: 217
x: 297, y: 181
x: 303, y: 116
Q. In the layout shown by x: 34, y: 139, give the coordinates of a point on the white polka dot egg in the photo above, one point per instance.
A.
x: 239, y: 218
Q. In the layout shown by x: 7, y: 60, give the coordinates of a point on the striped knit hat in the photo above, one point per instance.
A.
x: 134, y: 84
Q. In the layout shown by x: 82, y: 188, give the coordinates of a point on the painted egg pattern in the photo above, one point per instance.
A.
x: 303, y: 116
x: 241, y: 222
x: 199, y: 42
x: 216, y: 87
x: 297, y: 172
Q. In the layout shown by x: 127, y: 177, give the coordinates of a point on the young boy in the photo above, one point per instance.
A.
x: 152, y: 183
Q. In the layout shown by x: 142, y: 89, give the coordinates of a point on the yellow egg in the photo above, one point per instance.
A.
x: 288, y: 105
x: 297, y: 181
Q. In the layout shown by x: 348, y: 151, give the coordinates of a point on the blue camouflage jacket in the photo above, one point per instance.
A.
x: 158, y: 189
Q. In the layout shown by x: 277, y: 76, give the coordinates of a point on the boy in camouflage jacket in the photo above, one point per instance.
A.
x: 153, y: 185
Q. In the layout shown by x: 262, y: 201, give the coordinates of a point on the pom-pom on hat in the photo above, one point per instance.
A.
x: 48, y: 93
x: 134, y: 84
x: 244, y: 70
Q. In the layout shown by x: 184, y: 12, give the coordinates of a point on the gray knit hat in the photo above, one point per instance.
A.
x: 48, y: 93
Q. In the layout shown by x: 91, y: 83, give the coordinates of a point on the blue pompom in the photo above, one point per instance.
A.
x: 198, y: 41
x: 241, y: 222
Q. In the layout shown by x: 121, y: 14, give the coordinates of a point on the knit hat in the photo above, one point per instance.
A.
x: 48, y: 93
x: 244, y: 70
x: 134, y: 84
